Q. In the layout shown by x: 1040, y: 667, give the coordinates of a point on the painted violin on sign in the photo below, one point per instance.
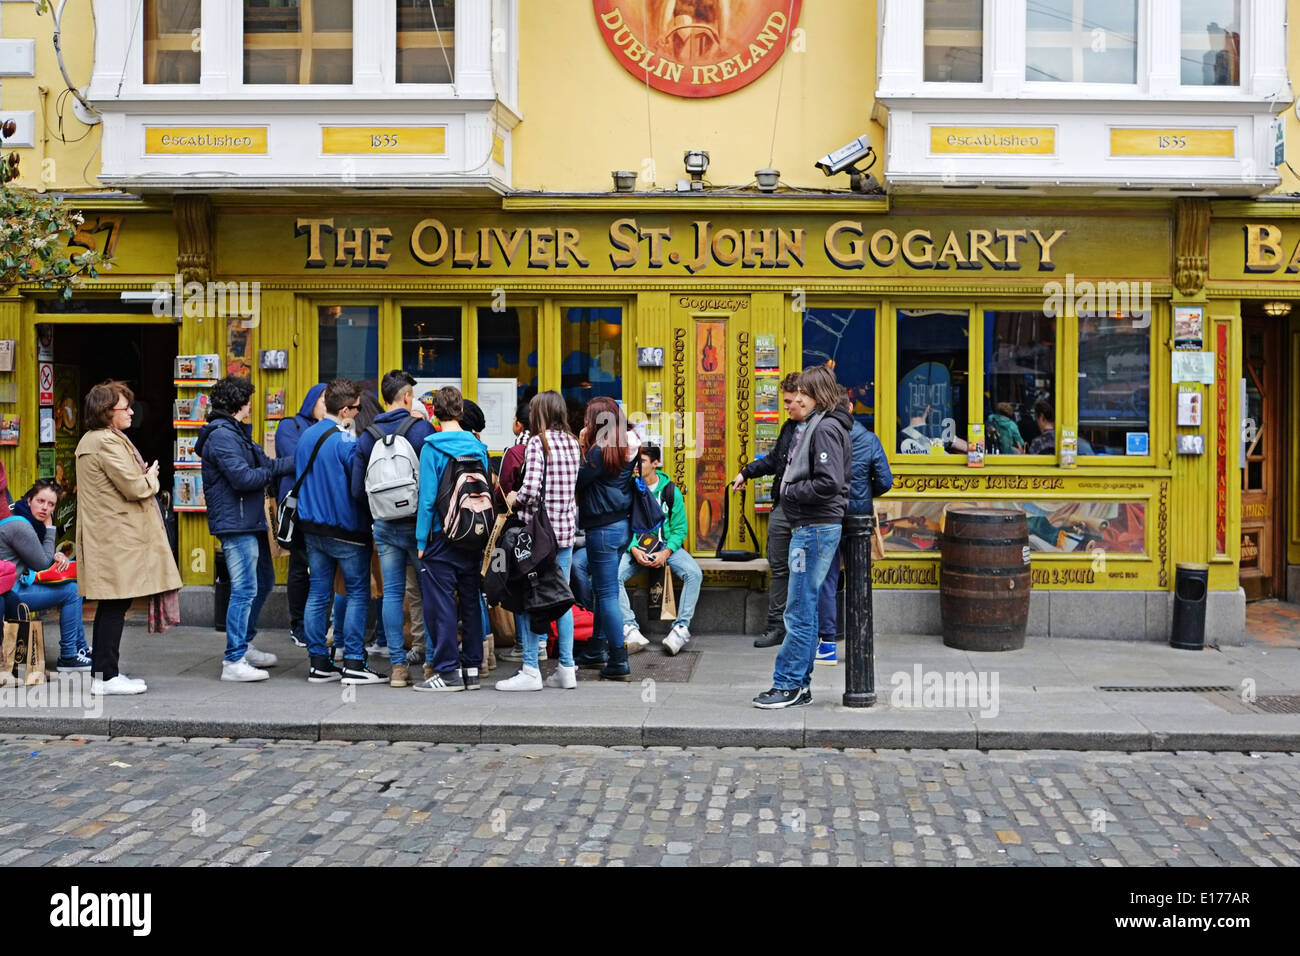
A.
x: 709, y: 355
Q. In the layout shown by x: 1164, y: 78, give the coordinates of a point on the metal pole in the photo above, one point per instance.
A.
x: 860, y: 681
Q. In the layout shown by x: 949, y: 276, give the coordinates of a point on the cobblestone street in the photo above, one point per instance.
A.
x: 167, y: 801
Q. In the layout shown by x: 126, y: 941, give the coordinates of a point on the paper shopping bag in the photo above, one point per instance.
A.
x: 669, y: 610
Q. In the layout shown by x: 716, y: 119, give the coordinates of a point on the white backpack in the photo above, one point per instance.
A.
x: 393, y: 474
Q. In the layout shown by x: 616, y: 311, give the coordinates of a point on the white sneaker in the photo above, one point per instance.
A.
x: 529, y: 678
x: 241, y: 670
x: 378, y: 648
x: 133, y: 680
x: 633, y: 639
x: 121, y: 684
x: 260, y: 658
x: 565, y: 678
x: 677, y: 638
x: 541, y: 650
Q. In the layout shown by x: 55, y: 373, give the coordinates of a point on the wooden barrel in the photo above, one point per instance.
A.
x: 984, y: 579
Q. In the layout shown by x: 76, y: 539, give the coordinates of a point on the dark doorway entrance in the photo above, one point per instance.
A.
x: 141, y: 355
x: 1263, y: 485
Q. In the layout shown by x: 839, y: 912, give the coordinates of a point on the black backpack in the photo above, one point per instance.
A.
x: 464, y: 504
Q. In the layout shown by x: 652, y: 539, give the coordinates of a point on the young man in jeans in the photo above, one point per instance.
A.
x: 449, y: 584
x: 395, y: 538
x: 338, y: 536
x: 236, y: 472
x: 665, y: 549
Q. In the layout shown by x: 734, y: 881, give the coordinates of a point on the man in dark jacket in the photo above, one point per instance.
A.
x: 236, y: 473
x: 778, y: 528
x: 286, y: 443
x: 394, y: 537
x: 871, y: 478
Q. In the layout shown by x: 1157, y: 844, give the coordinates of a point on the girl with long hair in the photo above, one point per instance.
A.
x: 609, y: 450
x: 551, y: 457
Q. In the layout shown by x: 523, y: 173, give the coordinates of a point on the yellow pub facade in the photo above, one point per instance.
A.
x: 1148, y: 322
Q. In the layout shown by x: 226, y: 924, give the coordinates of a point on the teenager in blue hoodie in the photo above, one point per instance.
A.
x: 337, y: 535
x: 448, y: 572
x: 286, y: 443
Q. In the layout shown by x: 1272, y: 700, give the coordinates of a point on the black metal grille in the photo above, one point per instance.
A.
x: 1185, y: 689
x: 1277, y: 703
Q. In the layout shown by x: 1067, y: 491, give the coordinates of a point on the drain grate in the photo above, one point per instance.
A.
x: 1185, y: 689
x: 1277, y: 703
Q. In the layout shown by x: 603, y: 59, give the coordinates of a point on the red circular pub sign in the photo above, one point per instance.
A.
x: 697, y: 48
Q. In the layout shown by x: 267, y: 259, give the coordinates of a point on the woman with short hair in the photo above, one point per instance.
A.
x: 27, y: 538
x: 122, y: 547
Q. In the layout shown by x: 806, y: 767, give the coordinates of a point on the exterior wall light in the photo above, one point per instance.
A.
x: 624, y: 180
x: 768, y: 179
x: 697, y: 163
x: 1277, y: 309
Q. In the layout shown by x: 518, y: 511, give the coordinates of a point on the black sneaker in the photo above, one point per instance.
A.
x: 297, y: 638
x: 773, y: 637
x: 445, y: 683
x: 359, y: 672
x: 322, y: 671
x: 776, y: 699
x: 471, y: 678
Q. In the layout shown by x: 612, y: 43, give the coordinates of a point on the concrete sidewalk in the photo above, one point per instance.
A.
x: 1045, y: 696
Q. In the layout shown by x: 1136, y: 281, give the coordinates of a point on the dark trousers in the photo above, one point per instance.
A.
x: 447, y: 574
x: 110, y: 616
x: 778, y: 553
x: 297, y: 587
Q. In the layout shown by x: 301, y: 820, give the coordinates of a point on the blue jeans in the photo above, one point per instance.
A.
x: 248, y: 559
x: 323, y: 556
x: 681, y: 564
x: 449, y: 587
x: 604, y: 548
x: 42, y: 597
x: 812, y: 548
x: 563, y: 627
x: 580, y: 578
x: 395, y: 543
x: 827, y: 612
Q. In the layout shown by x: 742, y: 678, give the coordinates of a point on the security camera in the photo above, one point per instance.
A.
x: 847, y: 159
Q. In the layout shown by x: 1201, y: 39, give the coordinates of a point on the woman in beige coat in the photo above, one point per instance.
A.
x: 122, y: 547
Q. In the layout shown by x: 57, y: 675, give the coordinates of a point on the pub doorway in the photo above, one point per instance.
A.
x: 84, y: 354
x: 1265, y: 429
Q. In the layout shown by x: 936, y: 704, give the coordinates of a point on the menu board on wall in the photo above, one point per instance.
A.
x: 711, y: 434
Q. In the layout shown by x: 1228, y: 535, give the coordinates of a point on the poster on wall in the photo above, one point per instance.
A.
x: 1055, y: 527
x: 237, y: 343
x: 67, y: 432
x: 496, y: 396
x: 712, y: 406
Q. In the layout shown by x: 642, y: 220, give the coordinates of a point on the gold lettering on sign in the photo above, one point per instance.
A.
x: 314, y: 228
x: 1255, y: 511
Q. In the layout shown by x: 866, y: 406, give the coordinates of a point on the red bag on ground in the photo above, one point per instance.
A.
x: 583, y: 626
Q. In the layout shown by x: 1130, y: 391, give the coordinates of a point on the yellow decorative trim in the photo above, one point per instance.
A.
x: 706, y: 201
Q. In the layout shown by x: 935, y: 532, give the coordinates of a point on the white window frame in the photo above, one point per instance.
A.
x: 901, y: 48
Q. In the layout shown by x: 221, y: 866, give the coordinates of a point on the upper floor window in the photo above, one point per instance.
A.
x: 426, y: 48
x: 1081, y: 41
x: 954, y: 41
x: 1210, y: 47
x: 171, y: 47
x: 298, y: 41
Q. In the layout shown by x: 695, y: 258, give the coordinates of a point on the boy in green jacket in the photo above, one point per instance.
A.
x: 654, y: 551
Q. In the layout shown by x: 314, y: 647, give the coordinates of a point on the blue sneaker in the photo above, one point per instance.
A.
x: 79, y: 663
x: 826, y: 653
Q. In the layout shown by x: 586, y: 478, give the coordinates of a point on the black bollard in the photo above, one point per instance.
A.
x: 860, y: 656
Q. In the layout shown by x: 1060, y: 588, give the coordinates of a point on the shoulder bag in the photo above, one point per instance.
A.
x: 286, y: 514
x: 734, y: 554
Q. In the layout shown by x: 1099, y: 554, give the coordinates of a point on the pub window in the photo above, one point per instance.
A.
x: 171, y: 30
x: 591, y: 343
x: 1019, y: 369
x: 954, y: 41
x: 933, y: 375
x: 298, y: 41
x: 348, y: 346
x: 845, y: 339
x: 1081, y: 41
x: 507, y: 348
x: 1210, y: 47
x: 1114, y: 385
x: 426, y: 48
x: 431, y: 341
